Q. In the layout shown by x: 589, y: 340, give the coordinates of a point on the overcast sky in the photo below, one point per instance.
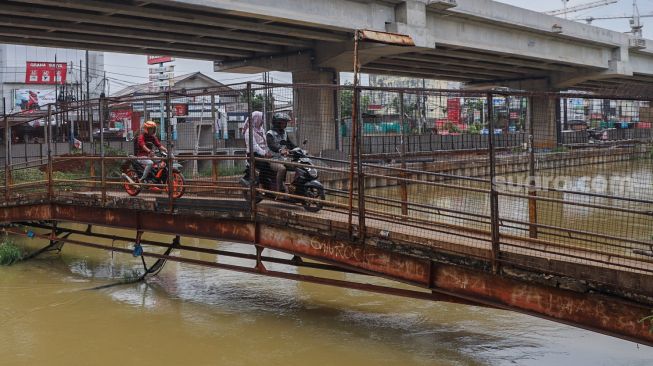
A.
x: 127, y: 69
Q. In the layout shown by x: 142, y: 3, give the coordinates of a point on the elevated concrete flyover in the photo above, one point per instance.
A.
x: 481, y: 42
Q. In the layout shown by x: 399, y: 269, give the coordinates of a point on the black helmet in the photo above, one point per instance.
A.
x: 279, y: 117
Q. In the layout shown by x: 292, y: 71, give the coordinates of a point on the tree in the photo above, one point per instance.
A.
x: 346, y: 99
x: 257, y: 100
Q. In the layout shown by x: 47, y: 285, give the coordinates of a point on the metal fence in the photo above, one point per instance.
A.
x: 494, y: 176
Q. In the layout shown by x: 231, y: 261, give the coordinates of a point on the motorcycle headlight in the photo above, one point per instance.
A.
x: 312, y: 172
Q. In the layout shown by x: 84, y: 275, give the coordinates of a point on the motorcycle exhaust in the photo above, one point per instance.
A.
x: 128, y: 178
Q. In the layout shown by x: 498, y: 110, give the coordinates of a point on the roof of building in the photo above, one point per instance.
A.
x: 178, y: 84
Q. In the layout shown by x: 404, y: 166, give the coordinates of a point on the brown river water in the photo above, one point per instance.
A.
x: 190, y: 315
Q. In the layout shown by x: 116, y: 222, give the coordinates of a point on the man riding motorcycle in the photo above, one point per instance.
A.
x: 145, y: 139
x: 280, y: 145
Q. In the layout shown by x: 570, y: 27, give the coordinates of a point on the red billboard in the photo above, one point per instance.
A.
x: 453, y: 110
x: 157, y: 59
x: 180, y: 110
x: 45, y: 72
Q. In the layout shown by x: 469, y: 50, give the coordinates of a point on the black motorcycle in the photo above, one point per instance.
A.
x: 133, y: 170
x: 304, y: 182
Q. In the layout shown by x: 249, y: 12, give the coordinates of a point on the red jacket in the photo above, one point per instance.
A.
x: 141, y: 143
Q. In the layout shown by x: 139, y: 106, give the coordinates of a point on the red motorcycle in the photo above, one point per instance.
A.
x: 159, y: 176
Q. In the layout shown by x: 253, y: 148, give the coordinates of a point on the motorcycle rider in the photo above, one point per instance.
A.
x: 147, y: 137
x: 280, y: 145
x: 260, y: 145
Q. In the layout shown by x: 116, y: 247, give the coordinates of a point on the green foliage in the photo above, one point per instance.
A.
x: 452, y: 128
x: 346, y: 100
x: 475, y: 129
x: 559, y: 149
x: 257, y: 100
x: 27, y: 175
x: 9, y: 252
x: 409, y: 105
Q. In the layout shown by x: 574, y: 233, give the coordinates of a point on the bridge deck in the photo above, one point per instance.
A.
x: 412, y: 237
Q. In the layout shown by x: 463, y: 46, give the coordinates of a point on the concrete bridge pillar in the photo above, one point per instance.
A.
x: 545, y: 132
x: 315, y: 110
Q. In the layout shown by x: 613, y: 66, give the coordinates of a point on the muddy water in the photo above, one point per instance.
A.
x: 191, y: 315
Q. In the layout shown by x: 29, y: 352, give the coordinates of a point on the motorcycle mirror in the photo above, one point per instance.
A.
x: 305, y: 142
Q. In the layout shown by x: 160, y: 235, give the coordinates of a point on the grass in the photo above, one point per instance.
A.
x: 9, y: 252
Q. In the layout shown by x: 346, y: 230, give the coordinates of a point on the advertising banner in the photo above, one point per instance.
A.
x: 180, y: 110
x: 453, y: 110
x: 158, y: 59
x: 45, y: 72
x: 33, y: 99
x: 120, y: 119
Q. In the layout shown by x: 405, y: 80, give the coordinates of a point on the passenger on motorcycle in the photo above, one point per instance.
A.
x: 260, y: 146
x: 147, y: 137
x: 279, y: 143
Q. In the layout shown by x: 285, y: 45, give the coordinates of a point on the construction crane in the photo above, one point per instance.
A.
x: 573, y: 9
x: 635, y: 20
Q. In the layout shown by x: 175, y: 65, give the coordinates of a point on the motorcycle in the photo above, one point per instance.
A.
x: 304, y: 182
x: 133, y: 170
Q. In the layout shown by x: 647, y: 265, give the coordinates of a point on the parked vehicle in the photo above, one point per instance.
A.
x: 304, y: 182
x: 133, y: 170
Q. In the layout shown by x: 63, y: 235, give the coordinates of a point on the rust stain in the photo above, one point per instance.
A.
x: 398, y: 266
x: 590, y: 311
x: 386, y: 38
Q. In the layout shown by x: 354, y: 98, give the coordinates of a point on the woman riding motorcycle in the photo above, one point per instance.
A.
x: 260, y: 148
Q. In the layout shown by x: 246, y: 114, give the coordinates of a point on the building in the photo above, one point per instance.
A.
x: 431, y: 106
x: 13, y: 67
x: 200, y: 123
x: 28, y: 93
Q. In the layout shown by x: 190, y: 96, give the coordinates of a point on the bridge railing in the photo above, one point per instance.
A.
x: 482, y: 174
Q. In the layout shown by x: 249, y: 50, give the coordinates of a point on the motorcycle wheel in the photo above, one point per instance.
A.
x: 132, y: 189
x: 317, y: 193
x: 178, y: 184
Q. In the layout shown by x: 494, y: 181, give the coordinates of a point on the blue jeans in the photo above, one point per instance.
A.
x: 147, y: 163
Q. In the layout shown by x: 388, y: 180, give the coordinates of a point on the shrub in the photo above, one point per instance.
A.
x: 9, y: 252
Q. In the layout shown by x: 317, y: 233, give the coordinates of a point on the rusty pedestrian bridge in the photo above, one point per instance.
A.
x: 443, y: 224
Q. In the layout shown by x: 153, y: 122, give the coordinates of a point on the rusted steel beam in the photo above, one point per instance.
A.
x: 598, y: 313
x: 278, y: 274
x: 380, y: 262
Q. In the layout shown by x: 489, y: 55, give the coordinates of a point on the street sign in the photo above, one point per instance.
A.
x: 163, y: 84
x: 162, y: 76
x: 158, y: 69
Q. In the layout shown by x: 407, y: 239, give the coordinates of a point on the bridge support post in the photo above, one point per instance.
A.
x: 214, y: 141
x: 494, y: 195
x: 403, y: 184
x: 252, y: 157
x: 47, y: 139
x: 103, y: 176
x: 532, y: 202
x: 259, y: 262
x: 169, y: 161
x: 545, y: 135
x: 7, y: 158
x: 315, y: 108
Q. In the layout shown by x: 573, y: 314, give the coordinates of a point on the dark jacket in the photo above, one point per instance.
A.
x: 276, y: 140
